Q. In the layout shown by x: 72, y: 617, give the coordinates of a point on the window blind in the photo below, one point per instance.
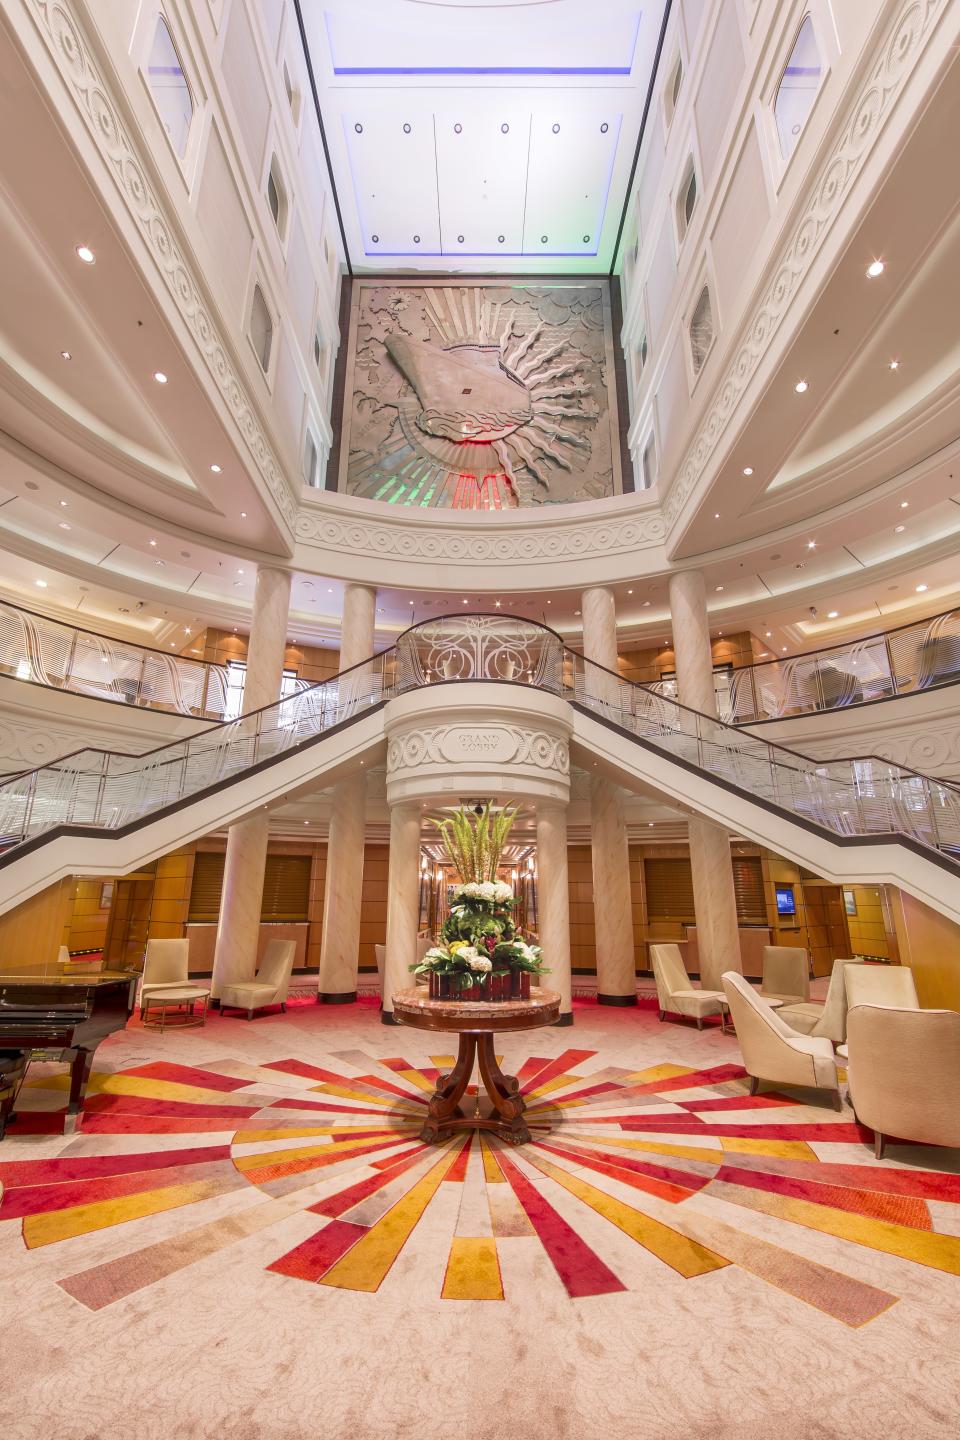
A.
x: 286, y: 887
x: 748, y: 888
x: 669, y: 888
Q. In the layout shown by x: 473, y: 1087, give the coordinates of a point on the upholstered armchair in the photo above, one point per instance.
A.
x: 881, y: 985
x: 904, y: 1073
x: 786, y: 973
x: 828, y: 1018
x: 270, y: 985
x: 771, y: 1050
x: 166, y: 963
x: 676, y: 994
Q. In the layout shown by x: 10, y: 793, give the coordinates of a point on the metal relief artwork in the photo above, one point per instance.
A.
x: 480, y: 397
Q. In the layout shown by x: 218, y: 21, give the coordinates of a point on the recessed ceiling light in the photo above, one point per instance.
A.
x: 783, y: 647
x: 748, y: 469
x: 63, y: 504
x: 153, y: 542
x: 466, y: 602
x: 629, y: 592
x: 306, y: 822
x: 719, y: 588
x: 920, y: 588
x: 497, y: 603
x: 243, y: 514
x: 811, y: 544
x: 161, y: 563
x: 769, y: 635
x: 549, y: 602
x: 646, y: 602
x: 874, y: 269
x: 411, y: 602
x: 216, y: 471
x: 43, y: 584
x: 904, y: 504
x: 65, y: 355
x: 716, y: 515
x: 239, y: 572
x: 65, y: 526
x: 159, y: 376
x: 85, y: 254
x: 894, y: 365
x: 833, y: 614
x: 801, y: 386
x: 899, y: 529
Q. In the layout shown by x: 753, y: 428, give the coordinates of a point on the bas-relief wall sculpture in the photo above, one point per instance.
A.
x: 480, y: 396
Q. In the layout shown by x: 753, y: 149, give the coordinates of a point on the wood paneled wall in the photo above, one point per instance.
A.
x: 220, y: 646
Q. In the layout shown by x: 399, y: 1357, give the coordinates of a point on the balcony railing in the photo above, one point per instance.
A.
x: 856, y: 797
x: 904, y: 661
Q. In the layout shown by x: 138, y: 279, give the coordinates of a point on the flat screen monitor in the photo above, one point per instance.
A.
x: 786, y: 902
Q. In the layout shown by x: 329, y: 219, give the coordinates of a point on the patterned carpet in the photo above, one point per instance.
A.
x: 220, y: 1156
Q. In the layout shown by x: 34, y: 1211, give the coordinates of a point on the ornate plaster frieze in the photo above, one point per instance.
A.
x: 462, y: 743
x: 73, y: 56
x: 903, y: 40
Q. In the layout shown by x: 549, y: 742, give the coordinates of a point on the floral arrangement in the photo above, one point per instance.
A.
x: 483, y: 956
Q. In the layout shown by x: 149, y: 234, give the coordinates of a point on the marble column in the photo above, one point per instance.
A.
x: 343, y: 893
x: 553, y: 902
x: 612, y: 898
x: 718, y: 936
x: 609, y: 849
x: 238, y: 928
x: 403, y: 903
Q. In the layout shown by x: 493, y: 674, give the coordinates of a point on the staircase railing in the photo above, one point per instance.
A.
x: 860, y: 796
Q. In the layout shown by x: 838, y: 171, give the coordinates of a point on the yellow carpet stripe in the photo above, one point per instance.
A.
x: 473, y: 1270
x: 365, y: 1266
x: 304, y: 1152
x: 99, y: 1214
x: 783, y: 1149
x: 250, y: 1137
x: 682, y: 1254
x: 145, y: 1089
x: 413, y: 1077
x: 560, y: 1082
x: 491, y: 1166
x: 923, y: 1247
x: 387, y: 1102
x: 657, y: 1072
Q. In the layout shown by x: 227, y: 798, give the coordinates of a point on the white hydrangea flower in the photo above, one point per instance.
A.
x: 437, y: 952
x: 487, y: 890
x: 524, y: 949
x: 480, y: 963
x: 469, y: 953
x: 471, y: 889
x: 502, y: 891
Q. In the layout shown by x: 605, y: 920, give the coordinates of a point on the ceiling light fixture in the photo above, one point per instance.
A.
x: 874, y: 269
x: 833, y: 614
x: 216, y: 471
x: 920, y: 588
x: 243, y: 514
x: 64, y: 525
x: 497, y: 603
x: 629, y: 592
x: 894, y: 365
x: 65, y: 355
x: 85, y: 254
x: 899, y: 529
x: 159, y: 376
x: 716, y: 515
x: 466, y: 602
x: 748, y: 469
x: 904, y: 504
x: 801, y: 386
x: 811, y: 544
x: 769, y: 634
x: 43, y: 584
x: 153, y: 542
x: 719, y: 588
x: 63, y: 504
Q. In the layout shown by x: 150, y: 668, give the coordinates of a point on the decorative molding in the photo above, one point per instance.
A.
x: 493, y: 744
x: 74, y: 59
x: 865, y: 118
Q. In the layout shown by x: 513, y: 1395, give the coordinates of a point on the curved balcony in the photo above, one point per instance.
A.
x: 862, y: 798
x: 908, y: 660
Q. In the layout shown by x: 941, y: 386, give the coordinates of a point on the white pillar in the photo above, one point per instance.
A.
x: 553, y: 902
x: 238, y: 928
x: 612, y: 899
x: 403, y: 903
x: 718, y: 936
x: 609, y: 848
x: 340, y: 948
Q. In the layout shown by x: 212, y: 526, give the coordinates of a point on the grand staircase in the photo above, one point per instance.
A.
x: 861, y: 819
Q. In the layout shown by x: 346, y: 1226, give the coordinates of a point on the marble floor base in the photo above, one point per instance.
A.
x: 247, y: 1240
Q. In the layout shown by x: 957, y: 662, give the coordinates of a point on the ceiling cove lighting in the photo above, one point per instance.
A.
x: 874, y: 269
x: 85, y: 254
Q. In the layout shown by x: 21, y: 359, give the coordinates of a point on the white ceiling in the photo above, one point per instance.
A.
x: 482, y: 136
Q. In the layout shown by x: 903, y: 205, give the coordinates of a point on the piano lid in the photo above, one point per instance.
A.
x: 90, y: 981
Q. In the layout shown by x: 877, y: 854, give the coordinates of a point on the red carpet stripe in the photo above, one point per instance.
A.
x: 669, y: 1184
x: 323, y: 1105
x: 333, y: 1155
x: 187, y: 1075
x: 345, y: 1200
x: 738, y: 1102
x: 41, y: 1199
x: 458, y: 1170
x: 153, y: 1125
x: 901, y: 1209
x: 692, y: 1081
x: 569, y: 1060
x: 925, y: 1184
x: 315, y: 1256
x: 138, y: 1105
x: 429, y: 1072
x: 581, y: 1270
x: 839, y: 1133
x: 86, y: 1167
x: 532, y: 1067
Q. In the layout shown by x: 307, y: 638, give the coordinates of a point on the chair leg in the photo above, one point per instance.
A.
x: 250, y: 1014
x: 283, y: 1007
x: 699, y: 1022
x: 837, y: 1101
x: 660, y: 1017
x: 754, y: 1084
x: 879, y: 1144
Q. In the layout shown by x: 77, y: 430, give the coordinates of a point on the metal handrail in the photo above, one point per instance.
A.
x: 108, y: 790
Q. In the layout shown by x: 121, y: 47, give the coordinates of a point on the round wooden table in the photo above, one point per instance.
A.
x: 476, y: 1022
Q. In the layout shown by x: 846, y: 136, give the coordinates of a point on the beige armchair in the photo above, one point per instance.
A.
x: 904, y: 1073
x: 166, y: 985
x: 881, y: 985
x: 771, y: 1050
x: 828, y: 1018
x: 270, y: 985
x: 675, y: 992
x: 786, y: 974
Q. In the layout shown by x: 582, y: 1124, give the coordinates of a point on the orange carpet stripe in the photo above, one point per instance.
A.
x: 282, y: 1163
x: 367, y: 1264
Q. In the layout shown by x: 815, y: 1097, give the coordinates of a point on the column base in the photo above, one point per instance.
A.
x: 616, y: 999
x: 387, y: 1017
x: 565, y: 1019
x: 344, y: 997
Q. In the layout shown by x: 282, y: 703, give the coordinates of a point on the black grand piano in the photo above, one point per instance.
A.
x: 70, y: 1013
